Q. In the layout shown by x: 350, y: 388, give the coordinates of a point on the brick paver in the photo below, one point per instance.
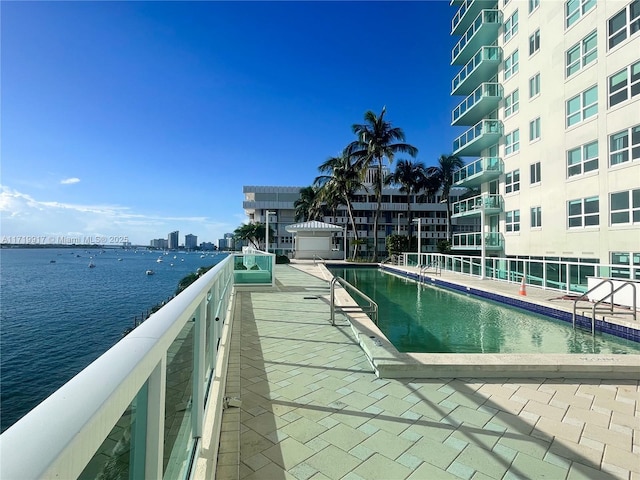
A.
x: 312, y: 408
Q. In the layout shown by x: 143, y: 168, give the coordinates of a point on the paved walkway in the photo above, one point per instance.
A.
x: 313, y: 409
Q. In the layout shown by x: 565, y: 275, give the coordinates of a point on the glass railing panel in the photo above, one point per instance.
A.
x: 493, y: 16
x: 484, y: 53
x: 535, y: 273
x: 555, y: 276
x: 485, y: 90
x: 253, y: 269
x: 122, y: 453
x: 178, y: 431
x: 481, y: 128
x: 464, y: 8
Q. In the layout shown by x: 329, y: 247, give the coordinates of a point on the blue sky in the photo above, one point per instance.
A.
x: 138, y: 118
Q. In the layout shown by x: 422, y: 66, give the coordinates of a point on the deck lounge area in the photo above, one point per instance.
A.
x: 313, y: 408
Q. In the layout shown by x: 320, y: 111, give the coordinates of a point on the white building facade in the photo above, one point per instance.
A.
x: 550, y: 115
x: 393, y: 217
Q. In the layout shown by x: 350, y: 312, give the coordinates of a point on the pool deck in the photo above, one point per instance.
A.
x: 313, y: 408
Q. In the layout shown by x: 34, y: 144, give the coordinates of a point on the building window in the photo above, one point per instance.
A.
x: 582, y: 159
x: 575, y: 9
x: 511, y: 65
x: 533, y: 4
x: 583, y: 212
x: 534, y: 129
x: 624, y: 23
x: 534, y: 42
x: 582, y: 54
x: 510, y: 27
x: 534, y: 169
x: 625, y: 84
x: 512, y: 182
x: 513, y: 221
x: 511, y: 103
x: 512, y: 142
x: 625, y: 207
x: 622, y: 150
x: 536, y: 217
x: 534, y: 85
x: 582, y: 106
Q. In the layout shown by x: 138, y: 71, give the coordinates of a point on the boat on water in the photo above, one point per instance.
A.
x: 92, y: 265
x: 159, y: 260
x: 149, y: 272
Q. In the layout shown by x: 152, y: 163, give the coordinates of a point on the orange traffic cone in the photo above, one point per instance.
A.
x: 523, y: 288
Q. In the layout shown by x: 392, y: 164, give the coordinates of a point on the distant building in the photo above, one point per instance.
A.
x: 159, y: 243
x: 393, y: 218
x: 173, y: 240
x: 227, y: 242
x: 207, y: 246
x: 190, y: 242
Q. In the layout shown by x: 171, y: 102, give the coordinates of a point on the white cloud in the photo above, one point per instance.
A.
x: 69, y: 181
x: 22, y: 215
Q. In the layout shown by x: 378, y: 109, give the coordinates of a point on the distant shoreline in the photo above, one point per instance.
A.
x: 76, y: 245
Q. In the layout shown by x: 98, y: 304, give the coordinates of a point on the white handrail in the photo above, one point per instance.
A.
x: 58, y: 438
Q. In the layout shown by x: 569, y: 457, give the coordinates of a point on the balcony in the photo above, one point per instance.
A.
x: 482, y: 135
x: 473, y: 241
x: 469, y: 9
x: 476, y: 173
x: 489, y: 204
x: 483, y: 31
x: 480, y: 103
x: 481, y: 68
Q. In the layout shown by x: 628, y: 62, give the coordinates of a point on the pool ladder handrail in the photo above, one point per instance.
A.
x: 371, y: 309
x: 424, y: 268
x: 608, y: 309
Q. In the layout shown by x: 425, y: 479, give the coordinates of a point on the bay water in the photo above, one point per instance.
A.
x: 57, y: 315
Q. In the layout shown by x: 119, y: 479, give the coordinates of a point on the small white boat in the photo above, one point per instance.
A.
x: 92, y: 265
x: 149, y: 272
x: 159, y: 260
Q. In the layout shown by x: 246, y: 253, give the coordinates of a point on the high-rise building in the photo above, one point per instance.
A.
x: 550, y: 128
x: 159, y: 243
x: 190, y: 242
x: 173, y: 240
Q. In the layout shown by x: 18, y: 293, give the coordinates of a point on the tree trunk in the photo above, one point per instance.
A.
x: 353, y: 226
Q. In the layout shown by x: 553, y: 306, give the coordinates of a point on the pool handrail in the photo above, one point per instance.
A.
x: 371, y: 309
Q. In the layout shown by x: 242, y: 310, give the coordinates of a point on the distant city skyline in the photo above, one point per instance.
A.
x: 154, y: 115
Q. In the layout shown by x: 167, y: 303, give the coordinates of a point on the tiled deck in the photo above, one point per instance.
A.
x: 313, y: 409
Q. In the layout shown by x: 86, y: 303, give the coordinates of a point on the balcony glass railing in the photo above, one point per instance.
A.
x: 478, y: 204
x: 138, y: 410
x: 486, y: 17
x: 459, y: 23
x: 485, y: 90
x: 482, y: 165
x: 481, y: 128
x: 473, y: 240
x: 491, y: 55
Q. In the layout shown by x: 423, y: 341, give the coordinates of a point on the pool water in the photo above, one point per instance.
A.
x: 422, y: 318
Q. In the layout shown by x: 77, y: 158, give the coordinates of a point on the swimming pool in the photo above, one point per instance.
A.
x: 426, y: 319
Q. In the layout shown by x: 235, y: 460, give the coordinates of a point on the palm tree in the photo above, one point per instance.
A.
x: 339, y: 184
x: 443, y: 176
x: 253, y: 233
x: 377, y: 141
x: 411, y: 177
x: 307, y: 205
